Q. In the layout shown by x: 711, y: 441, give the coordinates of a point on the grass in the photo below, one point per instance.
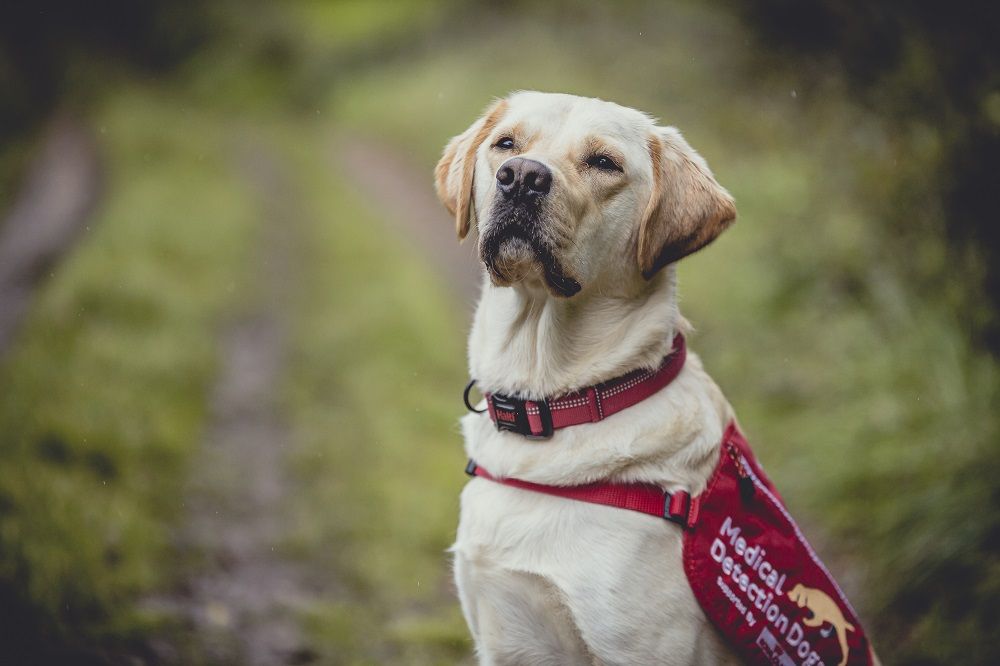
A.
x: 106, y: 388
x: 108, y: 382
x: 104, y: 392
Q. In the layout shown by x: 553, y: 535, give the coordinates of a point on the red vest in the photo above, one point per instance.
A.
x: 757, y: 578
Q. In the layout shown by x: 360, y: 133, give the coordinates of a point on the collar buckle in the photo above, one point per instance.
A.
x: 530, y: 418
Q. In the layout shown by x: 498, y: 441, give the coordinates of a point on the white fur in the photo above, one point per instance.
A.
x: 545, y: 580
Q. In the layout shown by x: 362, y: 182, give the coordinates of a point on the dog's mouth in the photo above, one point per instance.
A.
x: 512, y: 251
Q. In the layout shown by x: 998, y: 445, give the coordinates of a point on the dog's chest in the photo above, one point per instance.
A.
x: 618, y: 574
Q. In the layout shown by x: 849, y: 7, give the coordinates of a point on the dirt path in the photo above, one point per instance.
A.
x: 61, y: 188
x: 242, y: 606
x: 243, y: 603
x: 403, y: 193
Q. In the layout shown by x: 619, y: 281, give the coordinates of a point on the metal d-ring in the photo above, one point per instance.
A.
x: 465, y: 397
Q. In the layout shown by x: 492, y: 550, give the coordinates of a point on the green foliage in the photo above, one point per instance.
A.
x: 60, y: 54
x: 931, y: 72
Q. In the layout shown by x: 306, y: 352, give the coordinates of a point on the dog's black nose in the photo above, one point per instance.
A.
x: 523, y: 179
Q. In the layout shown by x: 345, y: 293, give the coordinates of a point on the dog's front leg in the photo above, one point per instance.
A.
x: 516, y: 618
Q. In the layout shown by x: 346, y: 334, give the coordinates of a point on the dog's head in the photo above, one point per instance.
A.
x: 567, y: 192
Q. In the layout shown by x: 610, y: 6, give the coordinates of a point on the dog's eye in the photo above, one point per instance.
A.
x: 505, y: 143
x: 603, y: 162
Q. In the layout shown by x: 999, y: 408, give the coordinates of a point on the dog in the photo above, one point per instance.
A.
x: 582, y: 209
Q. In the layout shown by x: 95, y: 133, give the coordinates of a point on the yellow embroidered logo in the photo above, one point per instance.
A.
x: 824, y: 611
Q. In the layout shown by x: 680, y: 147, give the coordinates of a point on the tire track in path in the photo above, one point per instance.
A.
x: 403, y: 195
x: 243, y: 603
x: 60, y: 192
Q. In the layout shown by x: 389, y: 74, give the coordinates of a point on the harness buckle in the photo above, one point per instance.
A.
x: 512, y: 414
x: 677, y: 507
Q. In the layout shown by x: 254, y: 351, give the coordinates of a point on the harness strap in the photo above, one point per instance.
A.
x: 536, y: 419
x: 642, y: 497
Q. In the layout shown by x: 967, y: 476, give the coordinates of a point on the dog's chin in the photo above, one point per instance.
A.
x: 516, y: 260
x: 513, y: 261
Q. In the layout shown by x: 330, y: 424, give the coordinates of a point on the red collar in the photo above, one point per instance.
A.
x: 537, y: 419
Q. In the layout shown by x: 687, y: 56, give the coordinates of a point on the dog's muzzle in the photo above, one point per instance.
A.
x: 515, y: 234
x: 524, y: 182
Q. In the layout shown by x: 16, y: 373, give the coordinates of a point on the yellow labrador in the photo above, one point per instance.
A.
x: 582, y: 207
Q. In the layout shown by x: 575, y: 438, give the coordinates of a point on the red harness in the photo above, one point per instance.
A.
x: 641, y: 497
x: 754, y: 574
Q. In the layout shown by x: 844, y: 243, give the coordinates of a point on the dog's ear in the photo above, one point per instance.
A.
x: 687, y: 209
x: 454, y: 172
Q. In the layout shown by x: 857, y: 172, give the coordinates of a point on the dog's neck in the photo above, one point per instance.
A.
x: 528, y: 343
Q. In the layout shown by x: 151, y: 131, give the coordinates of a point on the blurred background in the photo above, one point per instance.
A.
x: 233, y: 315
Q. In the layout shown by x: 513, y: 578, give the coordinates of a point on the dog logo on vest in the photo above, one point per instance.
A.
x: 824, y: 611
